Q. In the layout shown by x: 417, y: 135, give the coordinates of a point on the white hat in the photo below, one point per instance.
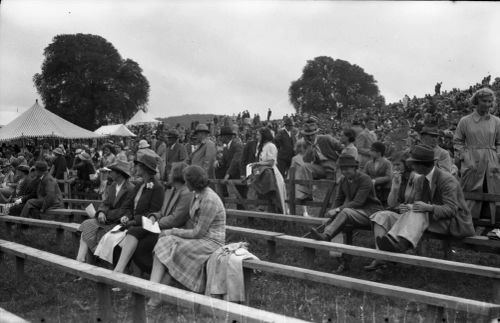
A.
x: 143, y: 144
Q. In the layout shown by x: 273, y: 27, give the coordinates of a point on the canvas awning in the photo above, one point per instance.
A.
x: 142, y: 118
x: 37, y: 122
x: 118, y: 130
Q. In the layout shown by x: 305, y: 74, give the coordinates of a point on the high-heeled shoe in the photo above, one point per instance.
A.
x: 375, y: 265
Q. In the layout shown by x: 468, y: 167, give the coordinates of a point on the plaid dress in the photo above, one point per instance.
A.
x: 186, y: 251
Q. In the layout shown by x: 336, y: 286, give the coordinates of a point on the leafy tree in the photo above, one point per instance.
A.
x: 85, y: 81
x: 327, y: 84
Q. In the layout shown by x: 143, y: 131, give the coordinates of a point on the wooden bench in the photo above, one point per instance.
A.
x: 8, y: 317
x: 310, y: 246
x: 140, y: 288
x: 435, y: 302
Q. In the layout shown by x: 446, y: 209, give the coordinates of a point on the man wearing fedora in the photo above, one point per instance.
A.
x: 175, y: 153
x: 59, y: 166
x: 320, y: 158
x: 205, y: 154
x: 229, y: 165
x: 354, y: 203
x: 439, y: 206
x: 48, y: 194
x: 429, y: 136
x: 285, y: 142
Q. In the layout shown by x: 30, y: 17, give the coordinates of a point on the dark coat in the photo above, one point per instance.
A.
x: 285, y: 145
x: 174, y: 212
x: 48, y: 191
x: 174, y: 155
x: 248, y: 155
x: 116, y: 207
x: 449, y: 203
x: 231, y: 158
x: 150, y: 201
x: 357, y: 194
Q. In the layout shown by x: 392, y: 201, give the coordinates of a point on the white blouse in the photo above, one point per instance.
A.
x: 269, y: 152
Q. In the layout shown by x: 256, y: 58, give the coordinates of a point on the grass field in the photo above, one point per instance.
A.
x: 47, y: 295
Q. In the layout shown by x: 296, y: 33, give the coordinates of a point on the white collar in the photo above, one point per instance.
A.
x: 429, y: 176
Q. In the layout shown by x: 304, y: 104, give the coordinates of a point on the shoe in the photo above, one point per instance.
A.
x: 375, y: 265
x: 154, y: 302
x: 386, y: 243
x: 319, y: 236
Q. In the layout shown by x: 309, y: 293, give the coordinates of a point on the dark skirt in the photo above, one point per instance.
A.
x: 143, y: 255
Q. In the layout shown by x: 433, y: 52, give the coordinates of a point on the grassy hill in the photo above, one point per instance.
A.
x: 186, y: 119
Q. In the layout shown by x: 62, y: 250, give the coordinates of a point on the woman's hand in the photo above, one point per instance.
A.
x: 124, y: 220
x: 422, y: 207
x: 403, y: 208
x: 152, y: 218
x: 165, y: 233
x: 101, y: 218
x: 396, y: 178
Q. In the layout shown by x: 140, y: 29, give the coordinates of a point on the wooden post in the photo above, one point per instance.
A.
x: 66, y: 185
x: 247, y: 276
x: 309, y: 254
x: 59, y: 236
x: 139, y: 308
x: 19, y: 268
x: 326, y: 202
x: 271, y: 249
x: 291, y: 189
x: 434, y: 314
x: 496, y: 291
x: 103, y: 302
x: 446, y: 249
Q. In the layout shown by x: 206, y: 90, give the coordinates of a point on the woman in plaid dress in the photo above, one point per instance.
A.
x: 181, y: 254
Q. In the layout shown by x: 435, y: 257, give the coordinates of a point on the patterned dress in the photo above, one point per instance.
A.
x: 185, y: 251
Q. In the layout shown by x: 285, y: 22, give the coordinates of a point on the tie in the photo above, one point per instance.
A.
x: 426, y: 191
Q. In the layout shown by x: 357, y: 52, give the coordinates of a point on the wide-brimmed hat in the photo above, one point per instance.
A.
x: 84, y: 156
x: 201, y: 128
x: 226, y: 131
x: 58, y: 151
x: 148, y: 160
x: 121, y: 166
x: 378, y: 147
x: 143, y: 144
x: 346, y: 160
x: 41, y: 166
x: 23, y: 168
x: 431, y: 131
x: 172, y: 133
x: 310, y: 127
x: 422, y: 154
x: 288, y: 121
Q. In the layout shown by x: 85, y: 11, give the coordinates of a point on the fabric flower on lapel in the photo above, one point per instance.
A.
x: 149, y: 185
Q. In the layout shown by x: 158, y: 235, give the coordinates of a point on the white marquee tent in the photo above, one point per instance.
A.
x: 118, y: 130
x: 142, y: 117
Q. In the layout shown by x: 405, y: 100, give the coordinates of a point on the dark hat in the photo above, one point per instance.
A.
x: 288, y: 121
x: 121, y: 167
x: 431, y: 131
x: 172, y: 133
x: 310, y: 127
x: 422, y: 154
x: 41, y: 166
x: 226, y: 131
x: 356, y: 123
x: 346, y: 160
x: 378, y: 147
x: 148, y: 160
x: 23, y: 168
x: 201, y: 128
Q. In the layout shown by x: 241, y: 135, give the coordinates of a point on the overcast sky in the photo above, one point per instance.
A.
x: 225, y: 56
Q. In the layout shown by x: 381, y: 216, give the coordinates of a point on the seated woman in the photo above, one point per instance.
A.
x: 380, y: 171
x: 21, y: 191
x: 84, y: 167
x: 119, y: 202
x: 147, y: 198
x: 181, y: 254
x: 267, y: 154
x: 139, y: 243
x: 10, y: 180
x: 402, y: 192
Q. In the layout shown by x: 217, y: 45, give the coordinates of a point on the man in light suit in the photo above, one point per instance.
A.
x: 175, y: 153
x: 285, y: 142
x: 48, y: 193
x: 206, y: 153
x: 320, y: 158
x: 439, y: 206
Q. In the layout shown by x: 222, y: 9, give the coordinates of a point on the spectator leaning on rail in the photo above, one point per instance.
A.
x: 439, y: 206
x: 477, y: 142
x: 320, y: 158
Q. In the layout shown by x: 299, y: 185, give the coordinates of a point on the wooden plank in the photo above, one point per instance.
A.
x: 291, y: 191
x: 8, y: 317
x: 138, y: 308
x: 259, y: 234
x: 207, y: 305
x: 81, y: 201
x: 71, y: 227
x: 478, y: 196
x: 485, y: 271
x: 66, y: 212
x: 275, y: 216
x: 457, y: 303
x: 326, y: 201
x: 104, y: 304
